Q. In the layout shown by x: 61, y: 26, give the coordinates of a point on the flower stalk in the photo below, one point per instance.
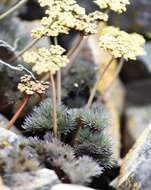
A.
x: 58, y: 75
x: 116, y: 74
x: 13, y: 9
x: 54, y: 106
x: 72, y: 53
x: 27, y: 47
x: 19, y: 112
x: 93, y: 91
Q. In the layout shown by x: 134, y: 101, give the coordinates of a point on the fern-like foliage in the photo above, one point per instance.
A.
x: 60, y: 157
x: 83, y: 129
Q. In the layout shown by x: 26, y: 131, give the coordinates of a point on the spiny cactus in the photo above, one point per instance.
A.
x: 83, y: 129
x: 39, y: 121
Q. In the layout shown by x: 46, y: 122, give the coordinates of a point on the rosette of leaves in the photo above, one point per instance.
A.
x: 38, y: 123
x: 83, y: 129
x: 54, y: 154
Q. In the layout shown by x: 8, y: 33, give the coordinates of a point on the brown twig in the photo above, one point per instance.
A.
x: 77, y: 44
x: 93, y: 91
x: 54, y: 106
x: 18, y: 113
x: 72, y: 53
x: 13, y: 9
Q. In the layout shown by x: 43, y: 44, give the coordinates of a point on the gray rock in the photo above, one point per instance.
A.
x: 2, y: 186
x: 6, y: 4
x: 138, y: 92
x: 146, y: 58
x: 138, y: 118
x: 137, y: 18
x: 11, y: 137
x: 135, y: 172
x: 69, y: 187
x: 42, y: 179
x: 8, y: 141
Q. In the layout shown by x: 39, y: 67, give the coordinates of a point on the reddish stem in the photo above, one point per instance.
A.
x: 18, y: 113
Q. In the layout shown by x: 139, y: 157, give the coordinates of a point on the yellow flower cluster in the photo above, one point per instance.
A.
x: 64, y: 15
x: 30, y: 87
x: 115, y: 5
x: 122, y: 44
x: 47, y: 60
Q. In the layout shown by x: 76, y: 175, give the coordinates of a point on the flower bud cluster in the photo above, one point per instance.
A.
x: 115, y: 5
x: 28, y: 86
x: 47, y: 60
x: 65, y: 15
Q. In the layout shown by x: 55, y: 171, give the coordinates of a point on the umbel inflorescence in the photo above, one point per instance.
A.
x: 29, y: 86
x: 47, y: 60
x: 122, y: 44
x: 115, y: 5
x: 64, y: 15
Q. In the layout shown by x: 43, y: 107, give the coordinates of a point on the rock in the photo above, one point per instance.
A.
x: 6, y: 4
x: 146, y: 58
x: 114, y: 130
x: 79, y: 77
x: 8, y: 142
x: 27, y: 13
x: 69, y: 187
x: 114, y: 102
x: 11, y: 137
x: 138, y: 119
x: 2, y: 186
x: 12, y: 29
x: 135, y: 171
x: 137, y: 18
x: 138, y: 93
x: 140, y: 69
x: 28, y: 27
x: 134, y: 71
x: 42, y: 179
